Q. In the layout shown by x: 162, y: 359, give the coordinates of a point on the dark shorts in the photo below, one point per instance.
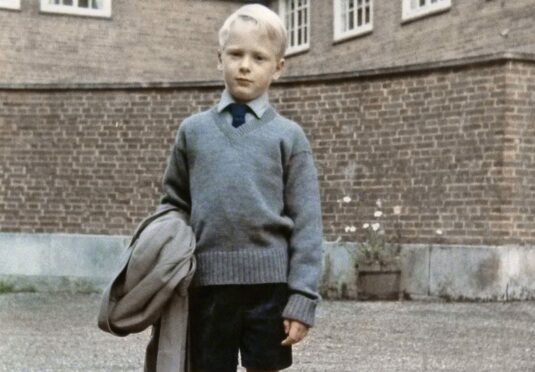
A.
x: 228, y: 318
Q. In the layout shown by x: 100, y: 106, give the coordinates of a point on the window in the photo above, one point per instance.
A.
x: 352, y: 18
x: 413, y: 9
x: 10, y: 4
x: 296, y: 16
x: 92, y: 8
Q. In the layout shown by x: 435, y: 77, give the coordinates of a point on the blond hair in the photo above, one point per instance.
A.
x: 265, y: 18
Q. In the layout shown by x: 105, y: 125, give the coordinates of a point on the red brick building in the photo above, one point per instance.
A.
x: 427, y: 105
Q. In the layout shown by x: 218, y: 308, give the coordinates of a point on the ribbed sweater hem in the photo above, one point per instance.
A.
x: 246, y: 266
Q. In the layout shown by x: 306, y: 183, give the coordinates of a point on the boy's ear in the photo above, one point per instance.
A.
x: 219, y: 60
x: 278, y: 69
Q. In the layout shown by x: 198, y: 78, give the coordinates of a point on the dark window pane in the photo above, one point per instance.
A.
x: 83, y: 3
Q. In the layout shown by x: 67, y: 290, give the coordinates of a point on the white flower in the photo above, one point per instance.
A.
x: 346, y: 199
x: 378, y: 203
x: 438, y: 232
x: 350, y: 229
x: 376, y: 226
x: 378, y: 214
x: 366, y: 225
x: 397, y: 209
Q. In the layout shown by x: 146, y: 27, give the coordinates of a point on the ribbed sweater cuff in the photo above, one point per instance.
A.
x: 300, y: 308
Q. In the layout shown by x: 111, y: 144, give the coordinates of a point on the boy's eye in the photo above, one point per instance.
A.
x: 259, y: 58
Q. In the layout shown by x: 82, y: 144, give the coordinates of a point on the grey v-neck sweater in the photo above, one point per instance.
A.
x: 253, y: 198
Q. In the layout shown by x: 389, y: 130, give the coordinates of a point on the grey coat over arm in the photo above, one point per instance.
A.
x: 150, y: 289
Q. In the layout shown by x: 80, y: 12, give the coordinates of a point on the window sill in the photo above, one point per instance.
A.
x: 419, y: 15
x: 295, y: 51
x: 76, y: 12
x: 9, y: 5
x: 352, y: 35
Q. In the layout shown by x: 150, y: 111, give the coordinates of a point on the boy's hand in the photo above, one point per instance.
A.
x: 295, y: 330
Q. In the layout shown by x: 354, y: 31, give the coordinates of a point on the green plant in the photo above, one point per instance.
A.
x: 376, y: 249
x: 6, y: 287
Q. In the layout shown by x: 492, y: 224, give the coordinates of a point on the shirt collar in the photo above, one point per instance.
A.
x: 258, y: 105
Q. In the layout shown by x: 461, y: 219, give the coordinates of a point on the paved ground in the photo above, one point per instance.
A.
x: 57, y: 332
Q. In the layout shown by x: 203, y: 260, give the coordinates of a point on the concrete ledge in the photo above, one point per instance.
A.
x: 484, y: 273
x: 86, y: 263
x: 339, y: 276
x: 52, y: 283
x: 59, y: 261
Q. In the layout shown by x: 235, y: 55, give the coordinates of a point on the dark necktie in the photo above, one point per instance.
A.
x: 237, y: 110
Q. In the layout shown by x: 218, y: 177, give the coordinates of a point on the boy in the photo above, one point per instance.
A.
x: 246, y: 176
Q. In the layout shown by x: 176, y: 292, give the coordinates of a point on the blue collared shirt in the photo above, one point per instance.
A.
x: 257, y: 106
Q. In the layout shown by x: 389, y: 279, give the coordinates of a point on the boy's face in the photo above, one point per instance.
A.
x: 249, y: 61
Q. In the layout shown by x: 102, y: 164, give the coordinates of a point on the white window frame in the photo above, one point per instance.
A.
x: 283, y: 12
x: 9, y: 4
x: 74, y: 9
x: 365, y: 28
x: 409, y: 13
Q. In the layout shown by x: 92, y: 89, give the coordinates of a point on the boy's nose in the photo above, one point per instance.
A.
x: 245, y: 64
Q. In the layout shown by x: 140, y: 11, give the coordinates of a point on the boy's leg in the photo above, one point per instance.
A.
x: 263, y: 329
x: 215, y: 328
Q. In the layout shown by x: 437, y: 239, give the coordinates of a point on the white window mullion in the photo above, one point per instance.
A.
x: 357, y: 15
x: 350, y: 15
x: 345, y: 12
x: 299, y: 16
x: 296, y: 23
x: 307, y: 23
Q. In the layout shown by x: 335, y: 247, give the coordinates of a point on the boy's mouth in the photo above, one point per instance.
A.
x: 243, y: 81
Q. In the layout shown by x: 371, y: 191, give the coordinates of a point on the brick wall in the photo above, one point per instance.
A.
x: 519, y: 148
x: 143, y: 41
x: 86, y: 161
x: 451, y: 147
x: 469, y: 28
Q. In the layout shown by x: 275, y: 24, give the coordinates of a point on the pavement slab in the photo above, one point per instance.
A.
x: 58, y: 332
